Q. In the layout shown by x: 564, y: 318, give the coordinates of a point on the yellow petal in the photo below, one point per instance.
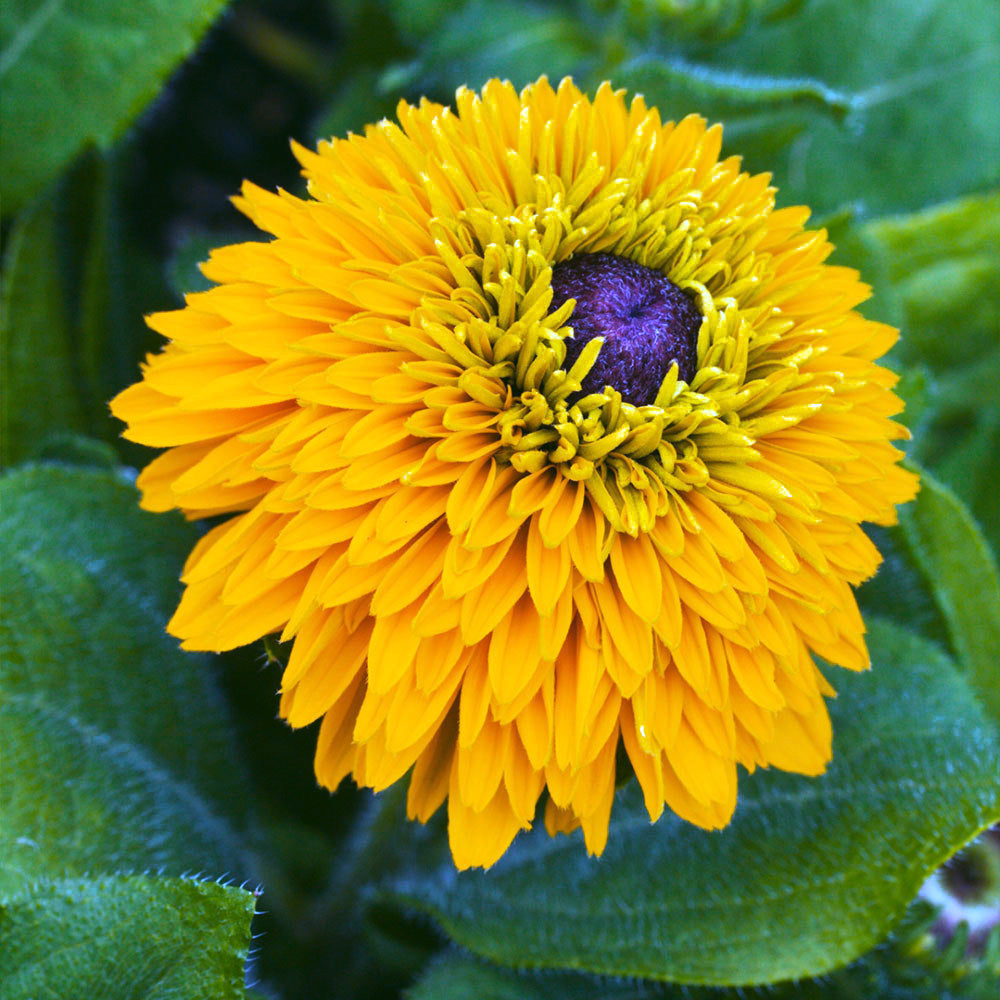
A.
x: 548, y: 570
x: 637, y: 573
x: 477, y: 839
x: 480, y: 766
x: 514, y: 652
x: 484, y: 607
x: 647, y: 766
x: 391, y: 650
x: 335, y: 749
x: 323, y: 683
x: 534, y: 724
x: 432, y: 773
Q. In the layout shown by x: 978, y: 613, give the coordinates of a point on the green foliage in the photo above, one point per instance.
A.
x: 936, y: 275
x: 365, y: 97
x: 117, y: 756
x: 705, y: 19
x: 75, y: 449
x: 906, y: 966
x: 916, y: 82
x: 125, y: 938
x: 420, y: 18
x: 505, y: 38
x: 939, y: 270
x: 808, y: 875
x: 78, y: 71
x: 74, y: 295
x: 37, y: 398
x: 961, y: 572
x: 121, y: 754
x: 940, y: 576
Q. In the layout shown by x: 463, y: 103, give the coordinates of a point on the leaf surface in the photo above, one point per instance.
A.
x: 78, y: 71
x: 125, y: 938
x: 884, y: 105
x: 508, y: 39
x: 909, y: 965
x: 961, y: 572
x: 809, y: 874
x: 936, y: 275
x: 117, y: 751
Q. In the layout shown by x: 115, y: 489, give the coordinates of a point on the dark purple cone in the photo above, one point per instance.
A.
x: 647, y: 323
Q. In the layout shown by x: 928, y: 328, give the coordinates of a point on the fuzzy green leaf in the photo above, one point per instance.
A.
x: 968, y: 462
x: 961, y: 572
x: 78, y: 71
x: 117, y: 753
x: 504, y: 38
x: 908, y: 965
x: 899, y: 590
x: 709, y: 20
x: 125, y: 938
x: 885, y: 105
x: 810, y: 873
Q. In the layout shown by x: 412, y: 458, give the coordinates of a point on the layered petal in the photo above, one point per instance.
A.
x: 491, y: 579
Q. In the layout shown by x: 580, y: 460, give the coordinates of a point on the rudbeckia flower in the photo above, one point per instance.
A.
x: 541, y: 434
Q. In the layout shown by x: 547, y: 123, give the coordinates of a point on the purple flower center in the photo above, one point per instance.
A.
x: 646, y: 321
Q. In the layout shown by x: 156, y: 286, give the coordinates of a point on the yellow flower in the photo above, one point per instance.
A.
x: 495, y: 571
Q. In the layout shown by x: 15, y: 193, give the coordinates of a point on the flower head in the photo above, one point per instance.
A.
x: 503, y: 551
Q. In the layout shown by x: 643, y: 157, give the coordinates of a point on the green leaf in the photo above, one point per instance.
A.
x: 961, y: 572
x: 75, y: 449
x: 110, y: 280
x: 899, y: 590
x: 117, y: 749
x: 941, y: 267
x: 917, y: 82
x: 909, y: 965
x: 127, y: 938
x: 966, y: 459
x: 709, y: 19
x: 78, y: 71
x: 731, y: 94
x: 809, y: 874
x: 71, y: 323
x: 503, y: 38
x: 936, y: 275
x: 40, y: 393
x: 456, y: 976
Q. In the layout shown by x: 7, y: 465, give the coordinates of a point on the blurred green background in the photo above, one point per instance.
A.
x: 125, y: 128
